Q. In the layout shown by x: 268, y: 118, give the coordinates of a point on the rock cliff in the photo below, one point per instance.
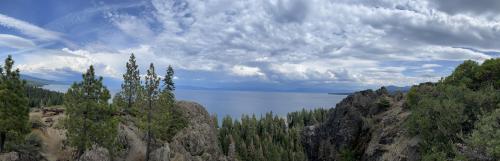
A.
x: 196, y: 142
x: 361, y: 128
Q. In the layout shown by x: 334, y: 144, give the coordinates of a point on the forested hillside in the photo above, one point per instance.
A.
x: 39, y: 97
x: 269, y: 137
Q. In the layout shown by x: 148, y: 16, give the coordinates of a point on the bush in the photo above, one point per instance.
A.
x: 486, y: 135
x: 384, y: 104
x: 444, y: 112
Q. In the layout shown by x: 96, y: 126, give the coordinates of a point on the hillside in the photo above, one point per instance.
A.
x: 453, y: 119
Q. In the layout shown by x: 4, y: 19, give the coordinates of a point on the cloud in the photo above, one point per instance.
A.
x: 12, y: 41
x: 28, y: 29
x: 247, y: 71
x: 311, y: 43
x: 467, y: 6
x: 431, y: 65
x: 286, y: 11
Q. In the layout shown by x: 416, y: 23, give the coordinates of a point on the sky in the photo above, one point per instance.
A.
x: 265, y: 45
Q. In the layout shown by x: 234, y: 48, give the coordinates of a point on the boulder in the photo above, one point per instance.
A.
x: 198, y: 141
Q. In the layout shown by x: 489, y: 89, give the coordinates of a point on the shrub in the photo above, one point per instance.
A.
x: 486, y: 135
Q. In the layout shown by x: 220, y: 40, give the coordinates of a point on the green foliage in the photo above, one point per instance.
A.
x: 268, y: 138
x: 383, y: 103
x: 14, y: 110
x: 347, y: 155
x: 486, y: 135
x: 131, y: 87
x: 38, y: 97
x: 90, y: 118
x: 444, y: 112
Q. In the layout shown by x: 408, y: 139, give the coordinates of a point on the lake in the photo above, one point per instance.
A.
x: 236, y: 103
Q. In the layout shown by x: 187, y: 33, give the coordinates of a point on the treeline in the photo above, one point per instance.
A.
x: 269, y: 137
x: 39, y: 97
x: 462, y: 110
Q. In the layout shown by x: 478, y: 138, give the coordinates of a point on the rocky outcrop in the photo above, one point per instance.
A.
x: 198, y: 141
x: 95, y: 154
x: 362, y: 128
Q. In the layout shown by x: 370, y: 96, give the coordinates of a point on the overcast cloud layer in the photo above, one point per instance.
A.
x: 309, y: 45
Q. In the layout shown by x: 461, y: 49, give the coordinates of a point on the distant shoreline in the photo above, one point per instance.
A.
x: 340, y: 93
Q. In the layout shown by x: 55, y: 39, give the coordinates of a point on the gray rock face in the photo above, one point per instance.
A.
x: 198, y: 141
x: 161, y: 154
x: 95, y: 154
x: 12, y: 156
x: 359, y: 126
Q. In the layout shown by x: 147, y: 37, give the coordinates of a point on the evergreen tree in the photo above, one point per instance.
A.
x: 169, y: 80
x: 131, y: 84
x: 170, y: 120
x: 90, y: 118
x: 14, y: 111
x: 152, y: 84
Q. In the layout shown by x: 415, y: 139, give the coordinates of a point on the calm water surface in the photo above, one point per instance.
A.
x: 236, y: 103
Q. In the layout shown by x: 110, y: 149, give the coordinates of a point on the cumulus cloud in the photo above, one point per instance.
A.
x: 292, y: 41
x: 246, y: 71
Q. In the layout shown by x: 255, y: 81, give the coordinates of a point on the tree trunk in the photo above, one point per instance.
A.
x: 149, y: 130
x: 2, y: 141
x: 81, y: 147
x: 129, y: 105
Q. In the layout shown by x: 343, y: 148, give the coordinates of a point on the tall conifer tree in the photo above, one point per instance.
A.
x: 89, y: 116
x: 152, y: 89
x: 14, y: 110
x: 131, y: 84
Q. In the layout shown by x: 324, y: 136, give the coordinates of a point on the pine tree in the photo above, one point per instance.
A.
x: 131, y: 84
x: 170, y: 119
x: 152, y: 83
x: 14, y: 111
x: 90, y: 118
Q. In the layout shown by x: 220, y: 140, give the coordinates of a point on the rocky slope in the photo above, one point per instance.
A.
x: 197, y: 142
x: 359, y: 128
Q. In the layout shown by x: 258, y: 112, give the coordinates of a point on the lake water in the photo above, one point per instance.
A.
x: 236, y: 103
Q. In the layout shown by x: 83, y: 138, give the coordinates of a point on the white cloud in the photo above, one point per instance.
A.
x: 294, y: 41
x: 431, y: 66
x: 247, y: 71
x: 12, y: 41
x: 28, y: 29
